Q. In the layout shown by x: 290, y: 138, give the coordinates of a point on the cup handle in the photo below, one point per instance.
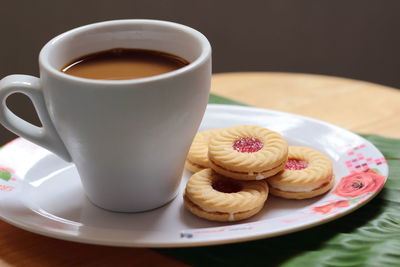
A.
x: 45, y: 136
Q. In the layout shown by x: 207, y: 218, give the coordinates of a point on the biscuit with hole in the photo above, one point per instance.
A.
x: 212, y: 196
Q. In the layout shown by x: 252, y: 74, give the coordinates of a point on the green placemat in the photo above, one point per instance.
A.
x: 369, y: 236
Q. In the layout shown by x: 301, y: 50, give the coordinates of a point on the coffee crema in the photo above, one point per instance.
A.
x: 124, y: 64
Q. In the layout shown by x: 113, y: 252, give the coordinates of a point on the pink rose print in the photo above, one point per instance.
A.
x: 360, y: 183
x: 329, y: 207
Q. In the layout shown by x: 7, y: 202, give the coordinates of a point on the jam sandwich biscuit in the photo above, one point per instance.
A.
x: 197, y: 158
x: 247, y: 152
x: 212, y: 196
x: 308, y: 173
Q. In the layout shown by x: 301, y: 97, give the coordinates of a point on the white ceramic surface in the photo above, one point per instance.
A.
x: 121, y: 130
x: 44, y: 194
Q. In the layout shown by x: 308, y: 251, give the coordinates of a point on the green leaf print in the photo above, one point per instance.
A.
x: 5, y: 175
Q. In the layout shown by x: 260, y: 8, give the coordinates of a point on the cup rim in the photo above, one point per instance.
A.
x: 205, y: 53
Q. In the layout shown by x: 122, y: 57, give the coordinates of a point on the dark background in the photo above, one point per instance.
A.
x: 357, y: 39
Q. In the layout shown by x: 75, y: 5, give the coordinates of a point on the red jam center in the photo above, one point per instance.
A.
x: 295, y: 164
x: 247, y: 145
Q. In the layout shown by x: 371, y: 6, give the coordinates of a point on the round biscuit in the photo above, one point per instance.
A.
x: 317, y: 175
x: 201, y: 192
x: 197, y: 158
x: 267, y: 158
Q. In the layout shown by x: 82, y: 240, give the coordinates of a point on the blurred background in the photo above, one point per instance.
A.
x: 356, y: 39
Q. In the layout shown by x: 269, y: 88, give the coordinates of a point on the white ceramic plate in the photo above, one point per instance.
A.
x: 41, y: 193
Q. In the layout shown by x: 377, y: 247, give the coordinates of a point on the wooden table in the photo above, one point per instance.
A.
x: 355, y: 105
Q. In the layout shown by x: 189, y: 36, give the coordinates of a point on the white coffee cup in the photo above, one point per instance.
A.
x: 127, y: 138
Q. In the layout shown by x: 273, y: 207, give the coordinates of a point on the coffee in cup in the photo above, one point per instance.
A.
x: 124, y: 64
